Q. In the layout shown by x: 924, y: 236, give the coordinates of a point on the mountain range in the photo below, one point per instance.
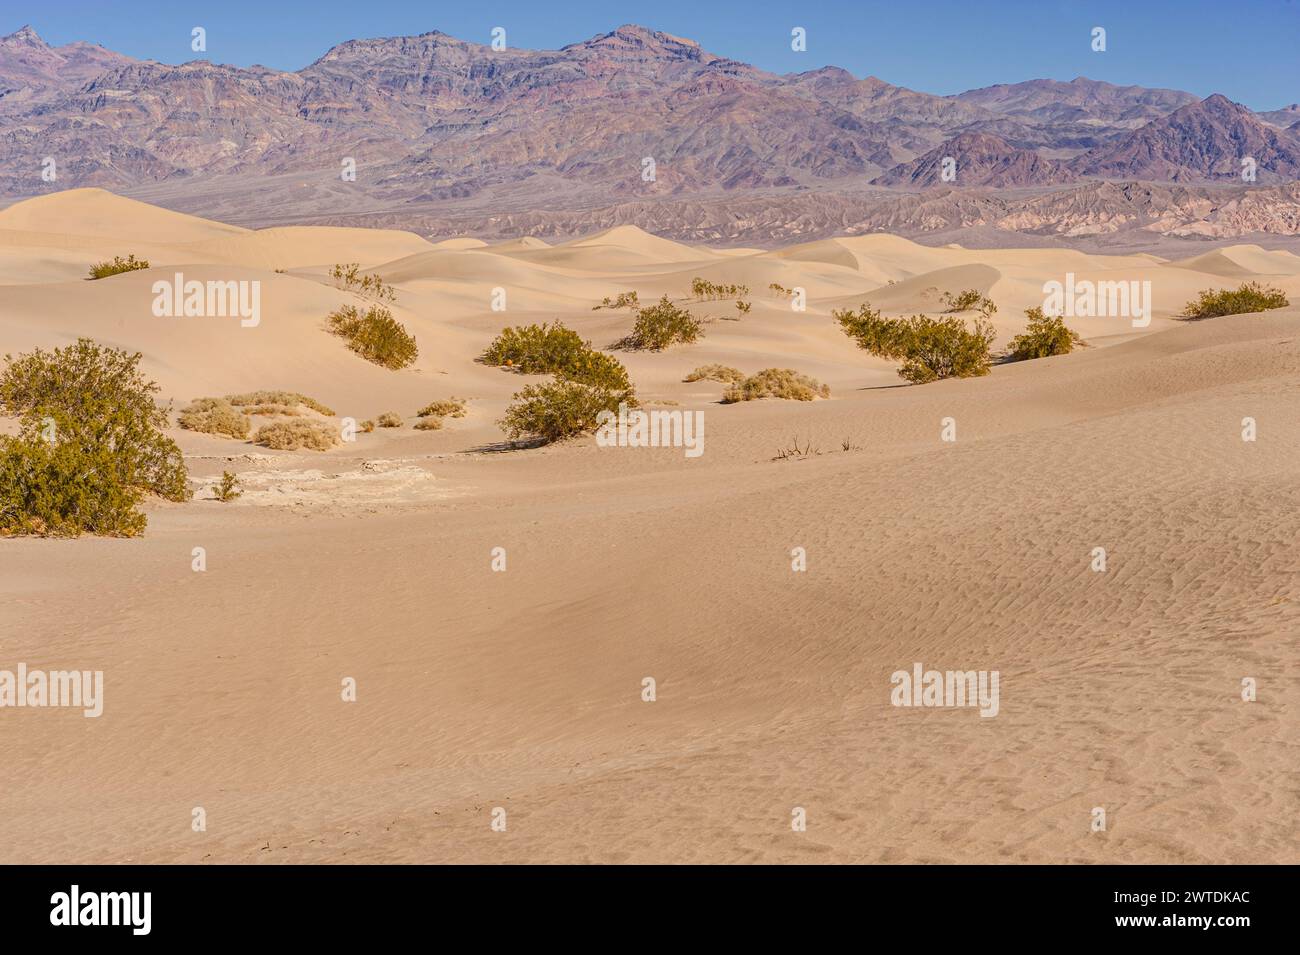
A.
x: 438, y: 127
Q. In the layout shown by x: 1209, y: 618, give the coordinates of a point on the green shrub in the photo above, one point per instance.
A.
x: 63, y: 489
x: 930, y: 348
x: 1045, y: 336
x: 390, y: 419
x: 228, y: 488
x: 946, y: 348
x: 598, y: 369
x: 554, y: 349
x: 558, y: 409
x: 883, y: 337
x: 102, y: 395
x: 376, y: 336
x: 90, y: 443
x: 448, y: 408
x: 536, y: 349
x: 1250, y: 297
x: 723, y: 373
x: 296, y: 435
x: 776, y: 383
x: 102, y: 270
x: 662, y: 325
x: 214, y: 416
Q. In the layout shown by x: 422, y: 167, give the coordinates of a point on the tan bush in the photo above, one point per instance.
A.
x: 390, y: 419
x: 722, y: 373
x: 214, y: 416
x: 429, y: 424
x: 297, y: 434
x: 445, y: 408
x: 776, y: 383
x: 256, y: 399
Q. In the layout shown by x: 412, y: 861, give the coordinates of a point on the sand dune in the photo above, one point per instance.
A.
x: 522, y: 689
x: 97, y: 212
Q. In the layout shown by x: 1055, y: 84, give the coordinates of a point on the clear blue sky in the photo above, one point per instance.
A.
x: 1249, y: 50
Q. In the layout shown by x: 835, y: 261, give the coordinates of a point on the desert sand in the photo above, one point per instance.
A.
x: 522, y: 689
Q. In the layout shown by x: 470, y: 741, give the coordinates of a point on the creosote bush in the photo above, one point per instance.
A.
x: 90, y: 443
x: 776, y: 383
x: 930, y: 348
x: 535, y: 349
x: 661, y: 325
x: 559, y: 409
x: 1046, y: 335
x: 102, y: 270
x: 375, y: 335
x: 1249, y: 297
x: 554, y: 349
x: 297, y: 434
x: 723, y: 373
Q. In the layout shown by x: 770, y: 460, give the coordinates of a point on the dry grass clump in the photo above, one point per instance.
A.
x: 624, y: 300
x: 349, y: 273
x: 214, y: 416
x: 254, y: 401
x: 1250, y: 297
x: 723, y: 373
x: 428, y: 424
x: 776, y: 383
x: 390, y: 419
x: 102, y: 270
x: 446, y: 408
x: 296, y: 435
x: 704, y: 289
x: 366, y: 426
